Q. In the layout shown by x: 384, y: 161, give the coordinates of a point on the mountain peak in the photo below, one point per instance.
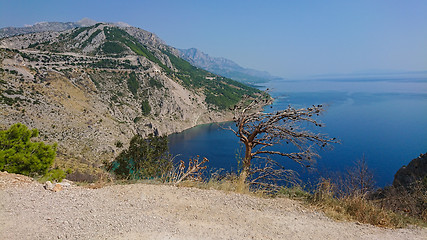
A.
x: 224, y: 67
x: 86, y: 22
x: 122, y: 24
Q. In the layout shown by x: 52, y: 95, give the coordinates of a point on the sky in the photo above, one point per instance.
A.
x: 290, y: 39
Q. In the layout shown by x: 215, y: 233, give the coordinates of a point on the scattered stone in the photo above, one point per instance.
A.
x: 65, y: 184
x: 13, y: 180
x: 57, y: 187
x: 48, y: 185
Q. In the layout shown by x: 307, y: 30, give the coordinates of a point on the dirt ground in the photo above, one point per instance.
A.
x: 141, y: 211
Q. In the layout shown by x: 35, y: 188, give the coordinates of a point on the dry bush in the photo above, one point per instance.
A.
x: 410, y: 201
x: 353, y: 207
x: 362, y: 210
x: 359, y: 179
x: 295, y: 192
x: 180, y: 173
x: 80, y: 176
x: 228, y: 182
x: 325, y: 190
x: 103, y: 179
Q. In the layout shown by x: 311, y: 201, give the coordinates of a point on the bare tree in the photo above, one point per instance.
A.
x: 259, y: 131
x: 360, y: 179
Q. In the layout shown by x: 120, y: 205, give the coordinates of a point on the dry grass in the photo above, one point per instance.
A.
x: 357, y: 208
x: 411, y: 201
x: 360, y: 210
x: 228, y: 183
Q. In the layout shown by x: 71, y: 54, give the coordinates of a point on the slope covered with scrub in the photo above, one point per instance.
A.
x: 92, y: 88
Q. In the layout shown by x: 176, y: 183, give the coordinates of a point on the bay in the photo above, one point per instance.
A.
x: 381, y: 120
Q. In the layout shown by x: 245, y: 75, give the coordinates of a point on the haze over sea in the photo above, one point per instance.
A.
x: 383, y: 120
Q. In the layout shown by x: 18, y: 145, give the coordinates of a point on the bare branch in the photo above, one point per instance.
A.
x: 259, y: 131
x: 194, y: 167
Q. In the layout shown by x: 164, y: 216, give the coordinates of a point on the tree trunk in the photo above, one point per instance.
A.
x: 246, y: 164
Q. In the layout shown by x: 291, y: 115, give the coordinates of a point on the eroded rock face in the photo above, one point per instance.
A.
x: 415, y: 171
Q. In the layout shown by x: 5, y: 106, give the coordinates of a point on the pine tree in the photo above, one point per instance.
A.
x: 18, y: 154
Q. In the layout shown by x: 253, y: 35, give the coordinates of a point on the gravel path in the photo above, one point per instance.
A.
x: 140, y: 211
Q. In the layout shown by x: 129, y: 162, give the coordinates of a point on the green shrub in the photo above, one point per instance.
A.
x: 18, y: 154
x: 118, y: 144
x: 54, y: 175
x: 113, y: 48
x: 145, y: 158
x: 133, y: 84
x: 155, y: 83
x: 145, y: 107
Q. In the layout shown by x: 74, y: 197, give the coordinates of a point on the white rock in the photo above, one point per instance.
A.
x: 48, y: 185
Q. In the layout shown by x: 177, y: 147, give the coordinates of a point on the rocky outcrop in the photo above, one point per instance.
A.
x: 407, y: 195
x: 416, y: 170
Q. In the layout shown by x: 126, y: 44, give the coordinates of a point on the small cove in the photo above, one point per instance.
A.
x: 384, y: 121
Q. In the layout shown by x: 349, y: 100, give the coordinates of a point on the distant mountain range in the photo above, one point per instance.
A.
x: 225, y: 67
x: 218, y: 65
x: 44, y: 27
x: 52, y: 27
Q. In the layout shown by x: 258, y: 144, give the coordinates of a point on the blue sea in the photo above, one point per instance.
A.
x: 383, y: 121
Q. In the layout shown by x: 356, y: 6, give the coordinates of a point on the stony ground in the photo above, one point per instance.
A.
x: 140, y: 211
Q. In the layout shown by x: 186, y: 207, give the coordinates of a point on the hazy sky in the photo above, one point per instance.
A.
x: 286, y: 38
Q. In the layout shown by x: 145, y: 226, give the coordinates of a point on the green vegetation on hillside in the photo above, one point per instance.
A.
x: 113, y: 48
x: 221, y: 92
x: 133, y: 84
x: 119, y: 35
x: 79, y: 30
x: 145, y: 107
x: 155, y: 83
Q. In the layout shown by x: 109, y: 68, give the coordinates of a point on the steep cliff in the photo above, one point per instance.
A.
x: 416, y: 170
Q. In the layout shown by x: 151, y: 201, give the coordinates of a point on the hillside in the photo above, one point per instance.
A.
x: 140, y: 211
x: 92, y: 88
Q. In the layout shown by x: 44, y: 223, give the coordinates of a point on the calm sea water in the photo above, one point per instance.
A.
x: 384, y: 121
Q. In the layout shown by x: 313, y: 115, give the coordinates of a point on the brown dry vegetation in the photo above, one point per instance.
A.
x: 355, y: 207
x: 408, y: 202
